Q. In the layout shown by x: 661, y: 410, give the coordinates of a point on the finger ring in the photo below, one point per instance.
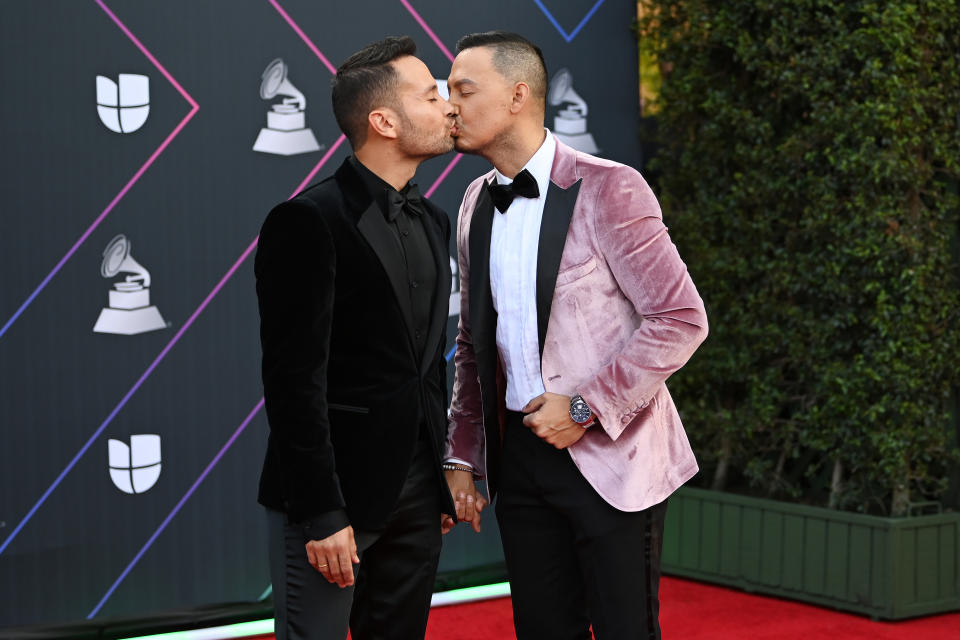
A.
x: 321, y: 566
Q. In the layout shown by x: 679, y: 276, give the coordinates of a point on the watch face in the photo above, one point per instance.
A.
x: 579, y: 410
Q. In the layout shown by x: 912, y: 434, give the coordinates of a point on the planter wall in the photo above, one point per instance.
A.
x: 889, y: 568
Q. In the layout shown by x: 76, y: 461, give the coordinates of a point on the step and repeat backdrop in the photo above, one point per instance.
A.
x: 143, y: 142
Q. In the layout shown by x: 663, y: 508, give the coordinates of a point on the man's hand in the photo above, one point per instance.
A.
x: 446, y: 523
x: 334, y: 557
x: 548, y: 416
x: 468, y: 501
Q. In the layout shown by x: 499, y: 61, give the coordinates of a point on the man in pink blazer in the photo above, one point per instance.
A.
x: 575, y: 309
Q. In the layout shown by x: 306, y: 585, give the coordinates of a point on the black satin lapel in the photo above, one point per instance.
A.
x: 483, y: 322
x: 441, y: 291
x: 557, y: 211
x: 373, y: 227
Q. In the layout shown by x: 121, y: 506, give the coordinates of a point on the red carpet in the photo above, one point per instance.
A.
x: 696, y: 611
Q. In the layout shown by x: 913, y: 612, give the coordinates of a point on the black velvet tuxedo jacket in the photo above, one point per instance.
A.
x: 346, y: 392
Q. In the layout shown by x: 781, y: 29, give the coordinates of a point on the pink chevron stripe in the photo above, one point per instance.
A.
x: 167, y: 140
x: 433, y: 36
x: 443, y: 175
x: 136, y: 176
x: 303, y: 36
x: 143, y: 49
x: 423, y: 24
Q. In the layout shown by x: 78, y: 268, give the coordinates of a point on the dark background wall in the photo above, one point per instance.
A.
x: 189, y: 194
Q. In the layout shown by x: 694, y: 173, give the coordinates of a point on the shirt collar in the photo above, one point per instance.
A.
x: 540, y: 165
x: 377, y: 188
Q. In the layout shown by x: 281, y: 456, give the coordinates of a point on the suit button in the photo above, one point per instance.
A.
x: 414, y: 284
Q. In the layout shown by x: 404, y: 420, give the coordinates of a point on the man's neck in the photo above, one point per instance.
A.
x: 395, y: 171
x: 511, y: 157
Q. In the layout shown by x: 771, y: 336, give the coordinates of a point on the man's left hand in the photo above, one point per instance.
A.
x: 466, y: 499
x: 548, y: 416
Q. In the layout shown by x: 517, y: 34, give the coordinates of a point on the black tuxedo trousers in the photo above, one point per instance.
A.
x: 390, y: 599
x: 573, y: 560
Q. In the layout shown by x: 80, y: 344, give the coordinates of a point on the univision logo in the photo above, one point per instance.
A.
x: 135, y: 468
x: 123, y: 106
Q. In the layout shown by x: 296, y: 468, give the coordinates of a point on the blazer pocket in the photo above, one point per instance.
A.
x: 577, y: 271
x: 348, y: 408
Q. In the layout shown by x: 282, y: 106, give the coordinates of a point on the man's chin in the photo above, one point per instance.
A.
x: 445, y: 147
x: 460, y: 145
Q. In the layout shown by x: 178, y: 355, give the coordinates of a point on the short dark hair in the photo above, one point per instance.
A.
x: 514, y: 57
x: 365, y: 81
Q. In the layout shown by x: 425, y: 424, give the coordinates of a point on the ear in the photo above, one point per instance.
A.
x: 520, y: 97
x: 383, y: 122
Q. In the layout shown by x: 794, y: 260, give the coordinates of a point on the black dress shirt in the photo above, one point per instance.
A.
x: 407, y: 227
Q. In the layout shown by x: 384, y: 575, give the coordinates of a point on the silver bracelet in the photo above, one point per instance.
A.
x: 450, y: 466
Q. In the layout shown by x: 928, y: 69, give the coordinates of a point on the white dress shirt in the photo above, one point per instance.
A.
x: 514, y: 240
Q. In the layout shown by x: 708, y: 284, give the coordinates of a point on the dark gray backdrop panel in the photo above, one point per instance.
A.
x: 189, y: 193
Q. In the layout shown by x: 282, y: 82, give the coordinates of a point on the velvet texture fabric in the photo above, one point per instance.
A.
x: 618, y: 314
x: 347, y: 392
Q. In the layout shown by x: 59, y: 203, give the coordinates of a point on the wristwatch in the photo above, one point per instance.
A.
x: 580, y: 411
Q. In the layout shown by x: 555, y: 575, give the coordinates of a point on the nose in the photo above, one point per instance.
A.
x: 449, y: 109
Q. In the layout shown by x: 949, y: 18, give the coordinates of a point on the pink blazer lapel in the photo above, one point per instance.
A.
x: 564, y: 171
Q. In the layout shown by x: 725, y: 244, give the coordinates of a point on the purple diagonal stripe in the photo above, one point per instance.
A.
x: 153, y: 365
x: 136, y: 177
x: 242, y: 426
x: 423, y: 24
x: 303, y: 36
x: 176, y: 509
x: 163, y: 353
x: 136, y: 386
x: 199, y: 309
x: 256, y: 409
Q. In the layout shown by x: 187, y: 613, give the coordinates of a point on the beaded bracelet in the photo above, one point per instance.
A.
x: 450, y: 466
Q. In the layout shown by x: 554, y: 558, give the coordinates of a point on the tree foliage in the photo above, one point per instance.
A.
x: 808, y: 162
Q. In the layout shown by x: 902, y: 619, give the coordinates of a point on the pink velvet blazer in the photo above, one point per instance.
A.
x: 622, y: 315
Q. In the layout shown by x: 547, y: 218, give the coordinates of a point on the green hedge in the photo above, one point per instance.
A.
x: 807, y: 166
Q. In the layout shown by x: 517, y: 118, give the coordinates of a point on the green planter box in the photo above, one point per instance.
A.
x: 889, y: 568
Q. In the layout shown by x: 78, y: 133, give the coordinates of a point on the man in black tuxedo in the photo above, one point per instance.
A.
x: 353, y: 279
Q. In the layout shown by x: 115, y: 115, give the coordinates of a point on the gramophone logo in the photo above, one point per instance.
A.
x: 135, y: 468
x: 570, y: 123
x: 130, y: 311
x: 286, y: 133
x: 124, y: 105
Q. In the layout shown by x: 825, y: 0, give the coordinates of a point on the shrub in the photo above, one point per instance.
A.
x: 807, y: 166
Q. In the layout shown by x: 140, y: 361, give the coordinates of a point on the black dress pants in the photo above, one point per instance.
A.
x: 572, y: 559
x: 394, y: 580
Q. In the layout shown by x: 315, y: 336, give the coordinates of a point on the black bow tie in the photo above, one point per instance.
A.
x: 409, y: 199
x: 524, y: 185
